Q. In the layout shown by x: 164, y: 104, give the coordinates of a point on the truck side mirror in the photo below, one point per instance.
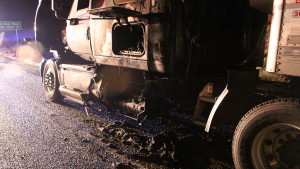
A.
x: 61, y: 8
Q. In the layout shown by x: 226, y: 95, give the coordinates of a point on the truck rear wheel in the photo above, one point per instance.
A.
x: 50, y: 82
x: 268, y: 136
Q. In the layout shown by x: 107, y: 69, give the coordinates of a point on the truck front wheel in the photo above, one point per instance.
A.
x: 268, y: 136
x: 50, y: 82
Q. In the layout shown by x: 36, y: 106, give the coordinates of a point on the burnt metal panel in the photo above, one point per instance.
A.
x: 155, y: 33
x: 123, y: 62
x: 143, y: 6
x: 114, y: 12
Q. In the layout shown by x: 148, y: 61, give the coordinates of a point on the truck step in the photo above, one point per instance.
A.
x: 79, y: 67
x: 208, y: 99
x: 199, y: 122
x: 73, y: 95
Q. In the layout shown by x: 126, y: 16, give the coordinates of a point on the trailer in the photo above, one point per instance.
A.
x: 221, y: 62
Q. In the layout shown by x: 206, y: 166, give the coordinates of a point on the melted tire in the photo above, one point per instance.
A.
x: 255, y: 124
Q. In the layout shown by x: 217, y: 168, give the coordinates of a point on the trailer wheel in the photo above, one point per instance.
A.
x: 50, y: 82
x: 268, y: 136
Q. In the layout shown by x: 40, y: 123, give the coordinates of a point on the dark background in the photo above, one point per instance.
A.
x: 19, y: 10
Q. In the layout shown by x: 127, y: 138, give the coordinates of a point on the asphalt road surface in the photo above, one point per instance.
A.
x: 35, y: 133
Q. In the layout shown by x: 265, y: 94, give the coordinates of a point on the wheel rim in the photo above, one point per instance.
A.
x: 277, y: 147
x: 49, y: 81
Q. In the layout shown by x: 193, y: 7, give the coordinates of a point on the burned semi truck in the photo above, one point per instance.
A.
x: 220, y: 62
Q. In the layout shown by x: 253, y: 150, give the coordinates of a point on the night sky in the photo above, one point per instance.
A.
x: 18, y: 10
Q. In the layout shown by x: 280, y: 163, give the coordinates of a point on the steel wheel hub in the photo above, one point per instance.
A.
x: 49, y: 80
x: 277, y: 147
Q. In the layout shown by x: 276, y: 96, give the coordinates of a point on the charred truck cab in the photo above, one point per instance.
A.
x: 222, y: 62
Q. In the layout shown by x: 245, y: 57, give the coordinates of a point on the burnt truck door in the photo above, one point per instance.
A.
x: 78, y: 29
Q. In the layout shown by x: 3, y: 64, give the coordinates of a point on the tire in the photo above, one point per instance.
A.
x: 51, y: 83
x: 268, y: 134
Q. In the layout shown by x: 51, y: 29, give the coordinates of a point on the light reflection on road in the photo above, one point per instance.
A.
x: 9, y: 70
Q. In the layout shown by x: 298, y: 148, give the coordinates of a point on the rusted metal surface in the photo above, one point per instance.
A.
x: 273, y: 77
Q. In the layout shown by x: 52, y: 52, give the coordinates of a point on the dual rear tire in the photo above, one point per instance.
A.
x: 268, y: 137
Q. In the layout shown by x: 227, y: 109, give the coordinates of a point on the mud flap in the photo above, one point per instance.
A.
x: 215, y: 107
x: 234, y: 100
